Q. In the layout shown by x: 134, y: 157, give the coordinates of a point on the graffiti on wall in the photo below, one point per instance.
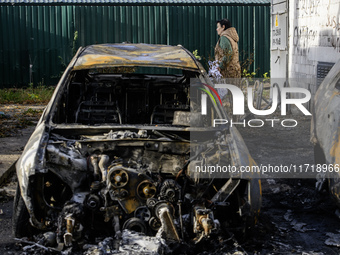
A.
x: 303, y: 39
x: 315, y: 36
x: 308, y: 7
x: 334, y: 23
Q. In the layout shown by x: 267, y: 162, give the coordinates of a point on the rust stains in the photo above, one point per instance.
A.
x: 335, y: 147
x: 335, y: 93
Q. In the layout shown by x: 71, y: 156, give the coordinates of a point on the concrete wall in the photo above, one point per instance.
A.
x: 314, y: 36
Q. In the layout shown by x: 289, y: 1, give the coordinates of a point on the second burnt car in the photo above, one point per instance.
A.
x: 117, y: 147
x: 325, y: 132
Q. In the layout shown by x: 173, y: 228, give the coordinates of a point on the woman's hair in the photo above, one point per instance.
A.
x: 224, y: 22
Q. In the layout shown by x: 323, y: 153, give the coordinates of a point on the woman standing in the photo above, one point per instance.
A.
x: 226, y: 50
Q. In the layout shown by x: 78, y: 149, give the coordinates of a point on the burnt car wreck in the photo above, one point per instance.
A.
x: 325, y: 133
x: 115, y: 148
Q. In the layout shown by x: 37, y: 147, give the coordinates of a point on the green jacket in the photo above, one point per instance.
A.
x: 226, y: 52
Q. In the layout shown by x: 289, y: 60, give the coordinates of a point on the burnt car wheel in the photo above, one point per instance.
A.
x: 20, y: 220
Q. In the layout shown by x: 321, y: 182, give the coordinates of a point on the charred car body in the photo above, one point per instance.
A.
x: 114, y: 148
x: 325, y: 131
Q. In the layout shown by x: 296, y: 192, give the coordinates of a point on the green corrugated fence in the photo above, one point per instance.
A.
x: 38, y: 40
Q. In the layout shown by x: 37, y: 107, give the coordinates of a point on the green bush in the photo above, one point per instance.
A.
x: 38, y: 95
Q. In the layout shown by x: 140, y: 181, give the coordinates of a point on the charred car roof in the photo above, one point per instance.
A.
x: 110, y: 55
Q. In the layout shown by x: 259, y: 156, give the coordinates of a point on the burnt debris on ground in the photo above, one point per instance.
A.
x: 13, y: 118
x: 295, y: 218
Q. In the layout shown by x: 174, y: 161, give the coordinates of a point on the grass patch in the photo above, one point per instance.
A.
x: 32, y: 113
x: 38, y: 95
